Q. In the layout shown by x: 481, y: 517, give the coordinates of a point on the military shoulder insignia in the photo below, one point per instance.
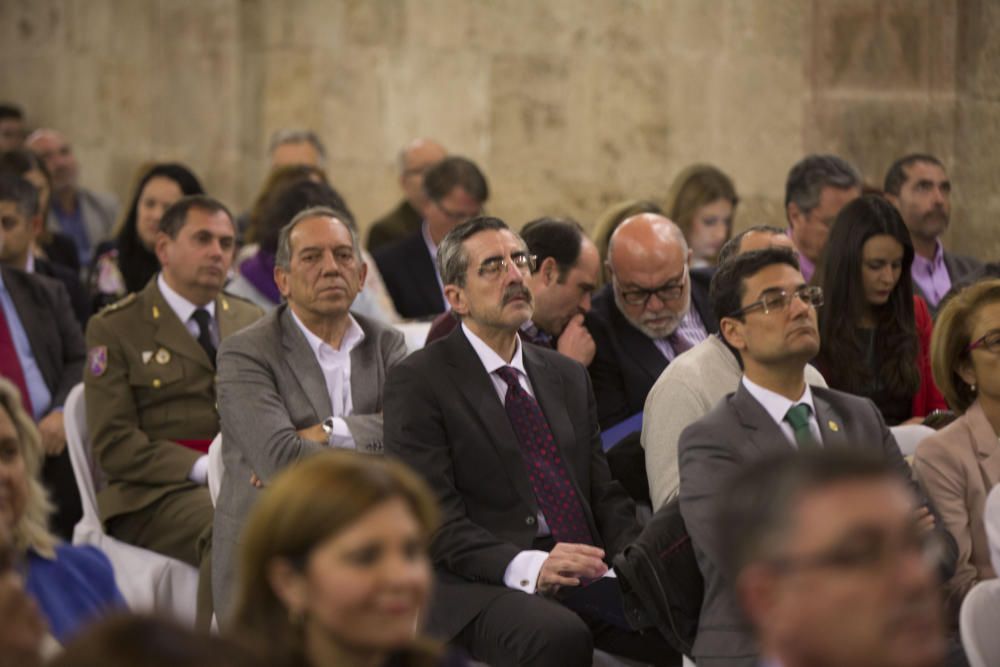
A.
x: 97, y: 360
x: 119, y: 304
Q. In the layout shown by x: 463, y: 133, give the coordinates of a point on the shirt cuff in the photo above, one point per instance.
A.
x: 341, y: 436
x: 199, y: 471
x: 522, y: 571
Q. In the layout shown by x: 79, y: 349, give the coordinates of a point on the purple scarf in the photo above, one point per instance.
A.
x: 259, y: 270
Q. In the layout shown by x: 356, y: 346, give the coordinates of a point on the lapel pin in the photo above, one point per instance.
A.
x: 225, y: 305
x: 833, y: 426
x: 163, y: 356
x: 146, y: 356
x: 156, y: 313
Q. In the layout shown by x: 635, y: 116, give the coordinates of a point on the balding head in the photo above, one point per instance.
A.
x: 414, y: 160
x: 647, y: 260
x: 57, y: 154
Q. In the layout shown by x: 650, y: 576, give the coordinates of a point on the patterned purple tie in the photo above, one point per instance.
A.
x: 547, y: 471
x: 679, y: 343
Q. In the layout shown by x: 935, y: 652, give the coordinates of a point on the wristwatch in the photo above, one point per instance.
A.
x: 328, y: 429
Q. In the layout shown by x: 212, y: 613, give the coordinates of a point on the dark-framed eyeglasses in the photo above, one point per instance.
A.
x: 776, y: 300
x: 871, y: 551
x: 457, y: 216
x: 669, y: 291
x: 495, y: 267
x: 990, y: 342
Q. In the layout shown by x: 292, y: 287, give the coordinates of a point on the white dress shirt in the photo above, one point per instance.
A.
x: 184, y: 310
x: 522, y: 571
x: 336, y: 367
x: 777, y: 406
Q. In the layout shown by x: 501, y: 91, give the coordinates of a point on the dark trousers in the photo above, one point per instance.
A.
x: 179, y: 525
x: 58, y: 480
x: 518, y: 629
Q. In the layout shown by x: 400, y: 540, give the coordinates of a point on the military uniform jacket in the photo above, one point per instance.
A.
x: 148, y: 383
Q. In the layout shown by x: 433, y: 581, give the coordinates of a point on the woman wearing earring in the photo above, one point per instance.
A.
x: 875, y: 333
x: 959, y: 464
x: 335, y: 571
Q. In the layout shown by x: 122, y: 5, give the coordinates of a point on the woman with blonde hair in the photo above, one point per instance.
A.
x: 702, y: 201
x: 959, y: 464
x: 71, y: 584
x: 334, y: 570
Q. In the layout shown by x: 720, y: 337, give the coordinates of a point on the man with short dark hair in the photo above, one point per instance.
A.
x: 404, y: 220
x: 767, y: 313
x: 306, y: 377
x: 655, y: 308
x: 41, y: 346
x: 691, y: 386
x: 507, y: 436
x: 150, y: 389
x: 919, y: 187
x: 829, y: 565
x: 818, y: 186
x: 456, y: 191
x: 565, y: 274
x: 84, y: 215
x: 11, y: 128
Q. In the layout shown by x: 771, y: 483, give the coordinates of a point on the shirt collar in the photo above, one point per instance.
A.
x: 29, y: 266
x: 428, y: 241
x: 489, y: 358
x: 934, y: 263
x: 181, y: 306
x: 775, y: 404
x: 352, y: 336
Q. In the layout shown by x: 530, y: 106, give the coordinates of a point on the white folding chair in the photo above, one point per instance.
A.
x: 978, y: 623
x: 908, y: 436
x: 148, y: 581
x: 216, y: 468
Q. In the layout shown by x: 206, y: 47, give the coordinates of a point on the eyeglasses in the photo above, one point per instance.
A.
x: 990, y: 342
x: 872, y: 550
x: 457, y: 216
x: 670, y: 291
x: 494, y: 267
x: 775, y: 300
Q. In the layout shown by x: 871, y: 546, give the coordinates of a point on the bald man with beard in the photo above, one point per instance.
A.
x: 654, y: 308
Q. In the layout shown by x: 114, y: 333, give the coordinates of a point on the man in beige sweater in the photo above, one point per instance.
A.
x: 698, y: 379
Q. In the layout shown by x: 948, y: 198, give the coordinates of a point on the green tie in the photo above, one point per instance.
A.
x: 798, y: 417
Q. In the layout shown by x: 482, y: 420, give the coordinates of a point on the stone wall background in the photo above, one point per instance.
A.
x: 568, y: 105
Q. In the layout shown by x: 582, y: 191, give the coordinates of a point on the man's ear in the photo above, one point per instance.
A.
x: 456, y: 299
x: 794, y: 214
x: 549, y: 271
x: 37, y: 224
x: 281, y: 280
x: 160, y: 245
x: 732, y: 331
x: 362, y: 274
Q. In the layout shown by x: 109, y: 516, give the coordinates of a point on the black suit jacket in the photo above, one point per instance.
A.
x: 409, y: 274
x: 56, y: 340
x: 627, y: 362
x: 443, y: 417
x: 715, y: 448
x: 70, y: 280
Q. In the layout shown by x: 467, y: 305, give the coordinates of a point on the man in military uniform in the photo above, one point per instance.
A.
x: 150, y: 389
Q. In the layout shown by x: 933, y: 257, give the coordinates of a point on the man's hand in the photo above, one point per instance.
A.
x: 575, y: 341
x: 53, y: 433
x: 567, y: 564
x: 924, y: 519
x: 256, y: 481
x: 314, y: 433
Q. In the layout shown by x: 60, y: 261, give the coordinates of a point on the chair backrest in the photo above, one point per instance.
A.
x: 81, y: 457
x: 909, y: 436
x: 978, y: 623
x: 216, y: 468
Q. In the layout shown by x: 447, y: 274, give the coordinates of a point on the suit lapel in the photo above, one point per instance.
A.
x: 984, y: 439
x: 170, y: 331
x: 302, y: 364
x: 474, y: 385
x: 831, y: 425
x: 40, y: 333
x: 549, y: 393
x: 425, y: 274
x: 761, y: 430
x: 638, y: 345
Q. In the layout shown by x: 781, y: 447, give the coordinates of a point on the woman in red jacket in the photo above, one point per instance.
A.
x: 875, y: 333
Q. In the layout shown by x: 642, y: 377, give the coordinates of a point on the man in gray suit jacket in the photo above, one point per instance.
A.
x: 304, y: 378
x: 768, y: 314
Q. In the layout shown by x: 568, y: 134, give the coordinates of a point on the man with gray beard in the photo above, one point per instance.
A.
x: 655, y: 308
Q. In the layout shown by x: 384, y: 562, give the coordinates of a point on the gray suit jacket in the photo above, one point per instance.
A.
x: 270, y: 385
x: 97, y: 210
x: 735, y: 433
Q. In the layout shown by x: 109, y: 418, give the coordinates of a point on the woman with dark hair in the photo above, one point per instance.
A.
x: 129, y: 262
x: 875, y: 333
x: 334, y: 566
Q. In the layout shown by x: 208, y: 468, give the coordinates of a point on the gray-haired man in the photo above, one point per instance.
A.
x: 307, y: 376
